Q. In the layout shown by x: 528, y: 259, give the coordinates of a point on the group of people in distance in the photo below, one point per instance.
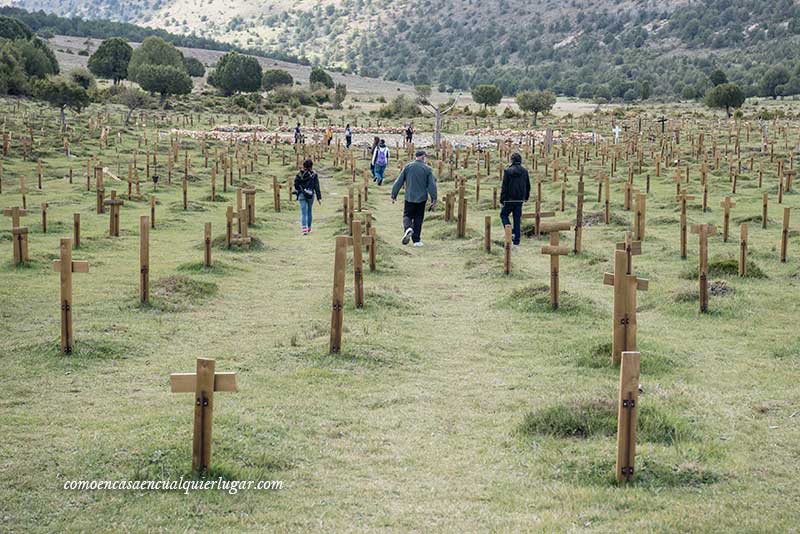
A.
x: 420, y: 185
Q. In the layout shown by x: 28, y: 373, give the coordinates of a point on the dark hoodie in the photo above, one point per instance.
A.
x: 516, y: 183
x: 306, y: 183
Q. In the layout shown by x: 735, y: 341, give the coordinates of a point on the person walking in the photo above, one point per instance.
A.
x: 375, y: 142
x: 409, y: 133
x: 298, y: 137
x: 380, y: 159
x: 328, y: 135
x: 515, y: 191
x: 420, y: 184
x: 306, y: 187
x: 348, y: 136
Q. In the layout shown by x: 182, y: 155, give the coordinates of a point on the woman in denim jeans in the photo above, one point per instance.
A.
x: 306, y: 187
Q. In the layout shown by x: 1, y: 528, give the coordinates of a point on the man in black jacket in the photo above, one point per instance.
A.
x: 515, y: 191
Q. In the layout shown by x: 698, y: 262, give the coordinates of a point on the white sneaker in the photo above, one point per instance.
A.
x: 407, y: 236
x: 418, y: 244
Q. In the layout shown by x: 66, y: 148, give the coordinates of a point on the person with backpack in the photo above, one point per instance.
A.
x: 298, y: 137
x: 380, y: 159
x: 348, y: 136
x: 306, y: 187
x: 420, y: 184
x: 515, y: 191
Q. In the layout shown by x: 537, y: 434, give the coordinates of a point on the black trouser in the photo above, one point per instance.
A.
x: 413, y: 215
x: 515, y: 209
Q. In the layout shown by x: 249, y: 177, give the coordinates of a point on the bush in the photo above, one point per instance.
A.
x: 401, y: 106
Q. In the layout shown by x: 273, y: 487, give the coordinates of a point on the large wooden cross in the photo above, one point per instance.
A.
x: 726, y: 205
x: 632, y: 248
x: 203, y: 384
x: 19, y: 234
x: 66, y: 266
x: 625, y: 287
x: 703, y: 231
x: 554, y: 250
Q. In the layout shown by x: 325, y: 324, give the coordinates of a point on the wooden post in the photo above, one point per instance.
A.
x: 554, y: 250
x: 683, y: 198
x: 152, y: 211
x: 44, y: 217
x: 76, y: 229
x: 785, y: 234
x: 726, y: 205
x: 743, y: 250
x: 337, y: 307
x: 640, y: 217
x: 276, y: 194
x: 626, y: 415
x: 66, y: 266
x: 764, y: 205
x: 461, y: 228
x: 607, y: 201
x: 507, y: 249
x: 100, y: 189
x: 358, y: 266
x: 144, y: 259
x: 487, y: 234
x: 577, y: 247
x: 625, y: 287
x: 207, y: 245
x: 203, y: 383
x: 373, y: 245
x: 185, y: 187
x: 19, y: 234
x: 703, y: 231
x: 229, y: 227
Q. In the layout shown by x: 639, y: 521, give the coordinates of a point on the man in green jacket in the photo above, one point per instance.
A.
x: 420, y: 184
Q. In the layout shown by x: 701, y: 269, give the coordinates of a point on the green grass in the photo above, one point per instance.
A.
x: 460, y: 401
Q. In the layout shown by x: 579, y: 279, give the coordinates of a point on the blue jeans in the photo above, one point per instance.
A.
x: 379, y: 170
x: 514, y: 209
x: 305, y: 211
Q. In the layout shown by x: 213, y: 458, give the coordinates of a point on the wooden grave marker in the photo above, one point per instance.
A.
x: 66, y: 266
x: 703, y: 231
x: 726, y: 205
x: 683, y: 197
x: 743, y: 250
x: 625, y: 288
x: 19, y: 234
x: 144, y: 259
x: 114, y: 204
x: 626, y: 415
x: 207, y: 245
x: 785, y: 234
x: 203, y: 383
x: 554, y: 250
x: 507, y: 249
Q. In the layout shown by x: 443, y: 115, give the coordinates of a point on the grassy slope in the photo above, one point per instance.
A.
x: 416, y: 425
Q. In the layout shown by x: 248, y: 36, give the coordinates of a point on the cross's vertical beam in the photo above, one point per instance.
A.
x: 207, y: 245
x: 144, y: 259
x: 487, y: 234
x: 337, y: 305
x: 358, y: 266
x: 743, y: 250
x: 507, y: 249
x: 65, y: 272
x: 626, y: 415
x: 785, y: 234
x: 579, y: 218
x: 203, y: 413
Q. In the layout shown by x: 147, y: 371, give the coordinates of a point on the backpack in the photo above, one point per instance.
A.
x: 381, y: 158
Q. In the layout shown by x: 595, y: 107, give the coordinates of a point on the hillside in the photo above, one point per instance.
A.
x: 605, y: 48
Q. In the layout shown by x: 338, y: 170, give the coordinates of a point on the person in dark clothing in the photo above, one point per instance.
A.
x: 375, y: 142
x: 306, y: 187
x: 298, y: 137
x: 348, y: 136
x: 515, y: 191
x: 420, y: 184
x: 409, y: 133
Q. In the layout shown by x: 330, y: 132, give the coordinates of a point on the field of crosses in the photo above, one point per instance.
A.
x: 634, y: 363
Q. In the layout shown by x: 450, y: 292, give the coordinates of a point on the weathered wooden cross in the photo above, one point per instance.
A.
x: 19, y: 234
x: 626, y: 415
x: 703, y: 231
x: 276, y: 193
x: 726, y: 205
x: 640, y: 217
x: 114, y: 204
x: 743, y: 250
x: 785, y: 234
x: 625, y: 287
x: 632, y: 248
x: 683, y: 197
x: 203, y: 383
x: 207, y: 245
x: 554, y: 250
x: 144, y: 259
x: 66, y: 266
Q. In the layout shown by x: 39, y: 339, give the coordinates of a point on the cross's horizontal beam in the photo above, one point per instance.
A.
x: 185, y: 382
x: 78, y: 266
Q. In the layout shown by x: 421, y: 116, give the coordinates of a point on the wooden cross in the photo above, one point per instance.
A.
x: 625, y: 287
x: 703, y: 231
x: 632, y: 248
x: 626, y: 414
x: 207, y: 246
x: 743, y: 250
x: 236, y: 238
x: 554, y: 250
x: 19, y: 234
x: 538, y: 214
x: 100, y: 188
x: 579, y: 217
x: 726, y: 205
x: 683, y: 197
x: 507, y: 238
x: 113, y: 215
x: 203, y: 383
x: 66, y: 266
x: 250, y: 203
x: 487, y: 234
x: 461, y: 221
x: 785, y: 234
x: 144, y: 259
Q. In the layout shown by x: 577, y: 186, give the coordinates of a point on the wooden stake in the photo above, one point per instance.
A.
x: 554, y: 250
x: 703, y: 231
x: 487, y: 234
x: 358, y: 269
x: 76, y: 229
x: 626, y: 415
x: 507, y: 250
x: 743, y: 250
x: 144, y: 259
x: 785, y: 234
x: 207, y: 245
x: 337, y: 307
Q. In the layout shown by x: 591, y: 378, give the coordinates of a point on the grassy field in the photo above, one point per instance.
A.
x: 460, y: 402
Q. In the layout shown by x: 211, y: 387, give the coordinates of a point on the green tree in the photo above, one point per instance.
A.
x: 82, y: 77
x: 319, y: 76
x: 13, y: 78
x: 165, y: 80
x: 111, y: 59
x: 236, y: 73
x: 717, y: 77
x: 37, y: 58
x: 773, y: 79
x: 645, y: 91
x: 62, y: 94
x: 11, y: 28
x: 133, y: 99
x: 154, y: 51
x: 725, y: 96
x: 486, y: 94
x: 273, y: 78
x: 194, y: 67
x: 536, y: 102
x: 339, y: 95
